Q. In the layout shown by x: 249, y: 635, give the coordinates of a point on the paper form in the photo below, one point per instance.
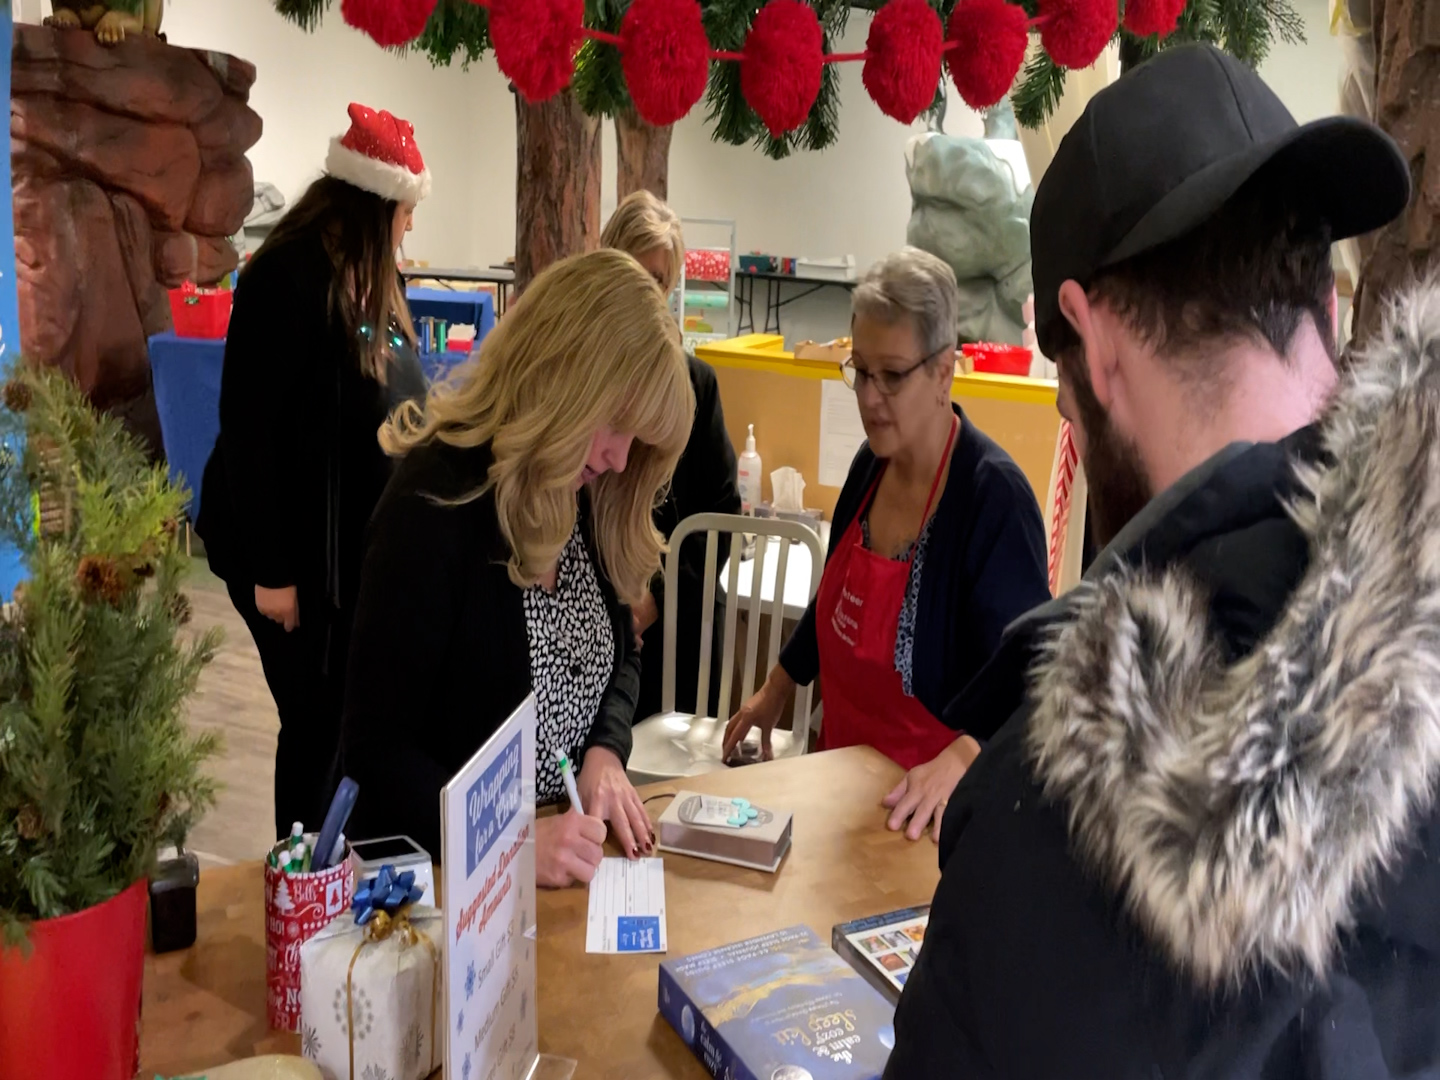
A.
x: 627, y: 907
x: 841, y: 431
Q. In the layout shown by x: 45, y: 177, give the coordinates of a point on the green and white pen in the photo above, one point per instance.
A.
x: 568, y: 775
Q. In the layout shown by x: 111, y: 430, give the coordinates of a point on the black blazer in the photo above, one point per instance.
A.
x: 439, y: 654
x: 704, y: 484
x: 296, y: 470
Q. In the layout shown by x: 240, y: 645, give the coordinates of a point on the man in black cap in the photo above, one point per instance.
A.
x: 1203, y: 838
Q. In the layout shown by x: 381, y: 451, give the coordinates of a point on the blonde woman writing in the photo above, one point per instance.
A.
x: 504, y: 555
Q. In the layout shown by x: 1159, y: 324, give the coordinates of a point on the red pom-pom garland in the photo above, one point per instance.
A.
x: 990, y: 40
x: 665, y: 56
x: 903, y: 67
x: 784, y: 57
x: 1075, y: 32
x: 1146, y: 18
x: 389, y: 22
x: 536, y: 42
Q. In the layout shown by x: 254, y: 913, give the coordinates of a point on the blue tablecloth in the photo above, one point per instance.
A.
x: 475, y: 309
x: 186, y: 372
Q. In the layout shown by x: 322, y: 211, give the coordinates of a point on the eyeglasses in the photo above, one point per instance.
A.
x: 889, y: 383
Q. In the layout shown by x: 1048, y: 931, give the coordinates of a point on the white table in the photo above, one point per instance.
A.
x: 797, y: 576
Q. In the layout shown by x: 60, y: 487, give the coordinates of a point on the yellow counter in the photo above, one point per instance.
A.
x: 762, y: 384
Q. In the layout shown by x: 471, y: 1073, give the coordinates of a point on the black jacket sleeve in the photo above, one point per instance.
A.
x: 277, y: 336
x: 616, y: 716
x: 705, y: 483
x: 407, y: 612
x: 801, y: 655
x: 1007, y: 561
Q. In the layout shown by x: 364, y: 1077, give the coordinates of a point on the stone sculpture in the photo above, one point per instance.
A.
x: 971, y: 203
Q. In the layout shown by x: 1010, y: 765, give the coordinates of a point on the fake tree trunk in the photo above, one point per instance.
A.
x: 557, y: 183
x: 644, y: 156
x: 1407, y: 105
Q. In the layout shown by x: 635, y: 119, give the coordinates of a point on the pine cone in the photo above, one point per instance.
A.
x: 101, y: 579
x: 29, y: 823
x: 181, y: 609
x: 17, y: 395
x: 171, y: 529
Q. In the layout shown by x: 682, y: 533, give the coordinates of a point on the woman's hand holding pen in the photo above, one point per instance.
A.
x: 921, y: 796
x: 607, y: 794
x: 568, y: 849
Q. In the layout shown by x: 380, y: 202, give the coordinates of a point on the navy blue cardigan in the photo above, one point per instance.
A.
x: 984, y: 567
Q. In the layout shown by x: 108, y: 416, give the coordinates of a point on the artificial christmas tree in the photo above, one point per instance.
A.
x: 97, y: 767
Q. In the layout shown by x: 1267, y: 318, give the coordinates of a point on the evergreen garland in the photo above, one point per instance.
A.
x: 97, y: 767
x: 599, y: 81
x: 457, y: 28
x: 1248, y: 29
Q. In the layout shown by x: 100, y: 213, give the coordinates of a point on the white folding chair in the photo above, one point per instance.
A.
x: 673, y: 744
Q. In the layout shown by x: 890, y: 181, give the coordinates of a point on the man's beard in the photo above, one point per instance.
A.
x: 1119, y: 488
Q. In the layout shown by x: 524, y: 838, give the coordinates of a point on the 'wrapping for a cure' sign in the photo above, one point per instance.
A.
x: 488, y: 840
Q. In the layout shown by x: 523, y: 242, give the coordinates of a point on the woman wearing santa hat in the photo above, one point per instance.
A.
x: 321, y: 349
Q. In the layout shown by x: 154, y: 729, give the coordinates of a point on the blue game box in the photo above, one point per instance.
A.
x: 782, y: 1006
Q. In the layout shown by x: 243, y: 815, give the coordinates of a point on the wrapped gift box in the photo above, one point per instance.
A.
x: 395, y: 1002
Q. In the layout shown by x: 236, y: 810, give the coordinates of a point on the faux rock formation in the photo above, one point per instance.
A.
x: 129, y: 178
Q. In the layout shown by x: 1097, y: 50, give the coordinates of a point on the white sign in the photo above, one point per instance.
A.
x: 841, y: 432
x: 487, y: 815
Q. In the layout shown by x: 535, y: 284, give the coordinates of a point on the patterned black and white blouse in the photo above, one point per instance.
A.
x: 572, y: 658
x: 905, y: 632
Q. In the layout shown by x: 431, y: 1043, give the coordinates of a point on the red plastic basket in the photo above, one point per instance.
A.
x: 998, y: 359
x: 200, y: 313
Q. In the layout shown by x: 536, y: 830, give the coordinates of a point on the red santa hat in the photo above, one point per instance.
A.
x: 378, y: 154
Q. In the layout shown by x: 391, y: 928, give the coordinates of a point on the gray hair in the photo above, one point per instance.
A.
x: 915, y: 285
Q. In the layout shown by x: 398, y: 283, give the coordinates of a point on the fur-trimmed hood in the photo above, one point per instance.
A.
x: 1243, y: 812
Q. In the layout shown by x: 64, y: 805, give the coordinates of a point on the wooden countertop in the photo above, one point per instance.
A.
x: 206, y: 1006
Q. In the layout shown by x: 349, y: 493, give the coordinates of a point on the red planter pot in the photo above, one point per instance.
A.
x: 71, y: 1009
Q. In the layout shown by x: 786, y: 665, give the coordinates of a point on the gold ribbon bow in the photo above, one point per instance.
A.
x: 382, y: 926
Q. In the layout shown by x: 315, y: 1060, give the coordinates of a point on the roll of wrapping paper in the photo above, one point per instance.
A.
x: 442, y: 329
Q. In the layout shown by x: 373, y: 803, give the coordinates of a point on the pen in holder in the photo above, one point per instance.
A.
x: 297, y: 907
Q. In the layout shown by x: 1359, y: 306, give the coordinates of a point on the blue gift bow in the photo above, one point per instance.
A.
x: 387, y: 891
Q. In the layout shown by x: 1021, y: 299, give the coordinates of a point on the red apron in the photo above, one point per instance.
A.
x: 857, y: 615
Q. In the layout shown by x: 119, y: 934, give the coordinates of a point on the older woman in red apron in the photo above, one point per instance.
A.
x: 936, y: 546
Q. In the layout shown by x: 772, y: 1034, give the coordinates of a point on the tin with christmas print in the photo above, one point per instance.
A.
x: 297, y: 907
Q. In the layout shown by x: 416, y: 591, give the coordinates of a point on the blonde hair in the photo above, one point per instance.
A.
x: 590, y: 344
x: 642, y: 223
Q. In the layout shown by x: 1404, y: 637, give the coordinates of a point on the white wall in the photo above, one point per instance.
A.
x: 1307, y: 77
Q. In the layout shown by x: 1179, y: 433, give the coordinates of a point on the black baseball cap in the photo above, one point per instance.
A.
x: 1159, y: 151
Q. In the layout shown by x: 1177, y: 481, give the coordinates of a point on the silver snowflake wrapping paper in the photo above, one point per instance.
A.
x: 396, y: 998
